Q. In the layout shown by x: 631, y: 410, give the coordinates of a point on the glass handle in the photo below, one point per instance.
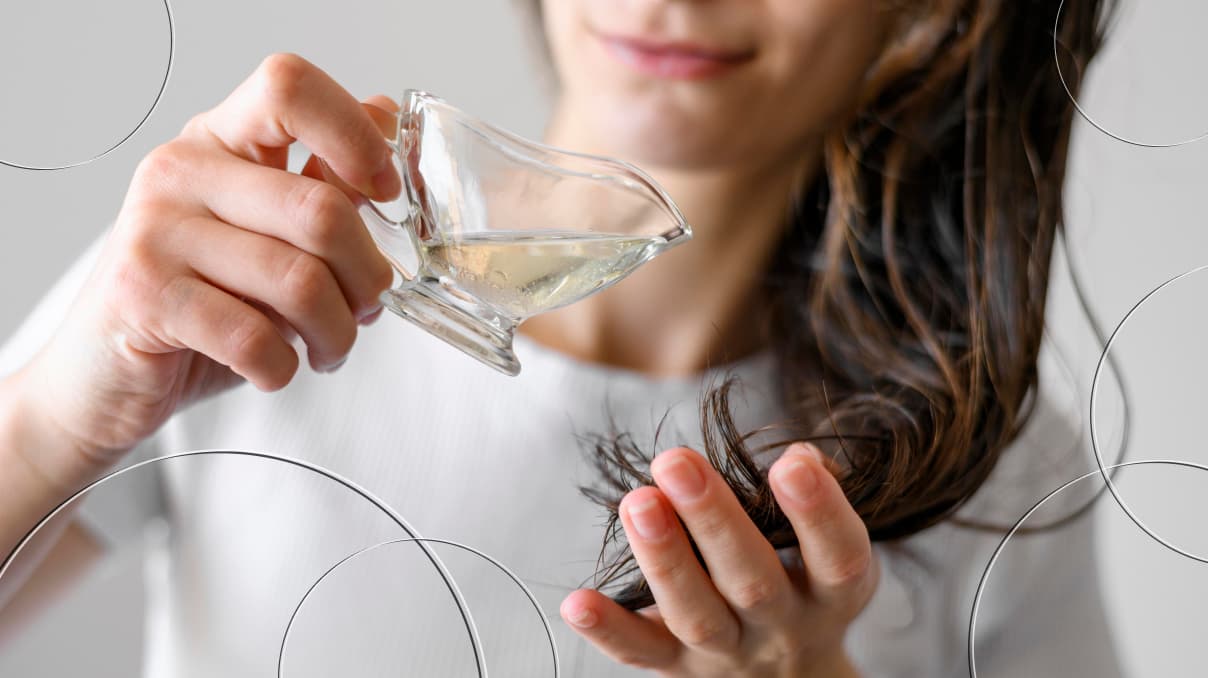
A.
x: 393, y: 225
x: 396, y: 238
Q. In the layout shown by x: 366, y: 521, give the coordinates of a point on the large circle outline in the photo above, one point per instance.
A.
x: 141, y: 123
x: 463, y: 609
x: 981, y: 584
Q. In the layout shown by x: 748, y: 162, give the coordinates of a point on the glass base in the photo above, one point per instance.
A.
x: 483, y: 334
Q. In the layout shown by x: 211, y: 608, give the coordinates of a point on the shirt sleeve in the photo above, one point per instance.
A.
x: 118, y: 511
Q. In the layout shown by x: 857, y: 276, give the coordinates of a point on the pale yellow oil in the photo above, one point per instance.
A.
x: 523, y: 273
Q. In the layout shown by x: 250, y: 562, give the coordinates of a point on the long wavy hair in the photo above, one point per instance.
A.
x: 909, y: 291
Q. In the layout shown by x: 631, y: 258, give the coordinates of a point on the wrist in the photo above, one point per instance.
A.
x: 31, y: 435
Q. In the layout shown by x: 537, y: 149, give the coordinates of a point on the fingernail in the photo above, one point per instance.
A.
x: 335, y: 366
x: 808, y: 450
x: 680, y: 478
x: 386, y: 183
x: 796, y: 478
x: 648, y: 518
x: 370, y: 317
x: 583, y: 618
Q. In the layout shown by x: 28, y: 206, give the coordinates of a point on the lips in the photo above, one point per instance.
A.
x: 673, y: 60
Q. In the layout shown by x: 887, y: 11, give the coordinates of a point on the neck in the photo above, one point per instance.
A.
x: 699, y: 304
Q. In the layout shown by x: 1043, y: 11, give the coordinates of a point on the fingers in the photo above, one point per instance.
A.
x: 212, y: 322
x: 688, y: 602
x: 835, y: 547
x: 213, y: 221
x: 312, y: 215
x: 628, y: 638
x: 289, y: 99
x: 382, y: 110
x: 744, y: 566
x: 293, y: 283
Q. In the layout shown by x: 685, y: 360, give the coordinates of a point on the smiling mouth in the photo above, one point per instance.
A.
x: 673, y: 60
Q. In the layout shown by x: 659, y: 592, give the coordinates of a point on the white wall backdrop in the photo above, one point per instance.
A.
x: 1135, y: 220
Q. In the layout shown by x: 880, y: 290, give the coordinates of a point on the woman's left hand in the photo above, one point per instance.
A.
x: 748, y: 615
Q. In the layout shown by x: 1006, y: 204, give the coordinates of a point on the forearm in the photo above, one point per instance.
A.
x: 74, y: 551
x: 39, y: 468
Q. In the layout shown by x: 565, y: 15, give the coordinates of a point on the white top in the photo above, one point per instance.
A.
x: 469, y: 455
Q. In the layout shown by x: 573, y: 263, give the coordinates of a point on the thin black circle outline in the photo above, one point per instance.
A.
x: 981, y: 584
x: 549, y: 631
x: 1087, y: 117
x: 463, y: 609
x: 154, y: 104
x: 1103, y: 467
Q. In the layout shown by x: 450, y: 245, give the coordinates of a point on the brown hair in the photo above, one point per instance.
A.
x: 909, y: 290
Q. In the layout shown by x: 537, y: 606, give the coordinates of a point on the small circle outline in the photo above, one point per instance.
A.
x: 532, y: 598
x: 1087, y: 116
x: 1103, y: 468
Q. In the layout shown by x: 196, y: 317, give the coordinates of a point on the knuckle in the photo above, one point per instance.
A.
x: 252, y: 338
x: 322, y: 213
x: 163, y: 166
x: 281, y: 77
x: 134, y: 279
x: 703, y: 632
x: 665, y: 570
x: 195, y: 126
x: 176, y: 293
x: 137, y: 254
x: 753, y: 595
x: 305, y: 282
x: 850, y: 570
x: 711, y: 525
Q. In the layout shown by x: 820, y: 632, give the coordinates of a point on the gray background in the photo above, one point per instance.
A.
x: 71, y: 89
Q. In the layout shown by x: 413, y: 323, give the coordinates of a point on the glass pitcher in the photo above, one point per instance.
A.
x: 491, y: 229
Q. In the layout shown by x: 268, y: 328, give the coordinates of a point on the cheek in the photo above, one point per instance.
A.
x: 560, y: 21
x: 817, y: 60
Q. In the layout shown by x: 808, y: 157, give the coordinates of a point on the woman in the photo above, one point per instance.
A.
x: 874, y: 189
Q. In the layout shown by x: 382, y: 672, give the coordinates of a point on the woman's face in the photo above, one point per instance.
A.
x: 693, y: 84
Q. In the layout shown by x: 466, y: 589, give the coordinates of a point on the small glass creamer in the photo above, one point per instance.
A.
x: 491, y: 229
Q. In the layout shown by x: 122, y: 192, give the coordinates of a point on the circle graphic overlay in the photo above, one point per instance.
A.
x: 79, y: 78
x: 1143, y: 87
x: 1041, y: 589
x: 252, y: 535
x: 1165, y: 334
x: 517, y: 637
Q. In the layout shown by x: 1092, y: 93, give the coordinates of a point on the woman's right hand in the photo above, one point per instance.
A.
x: 218, y: 259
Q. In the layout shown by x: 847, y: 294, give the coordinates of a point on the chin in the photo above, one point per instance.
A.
x: 661, y: 133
